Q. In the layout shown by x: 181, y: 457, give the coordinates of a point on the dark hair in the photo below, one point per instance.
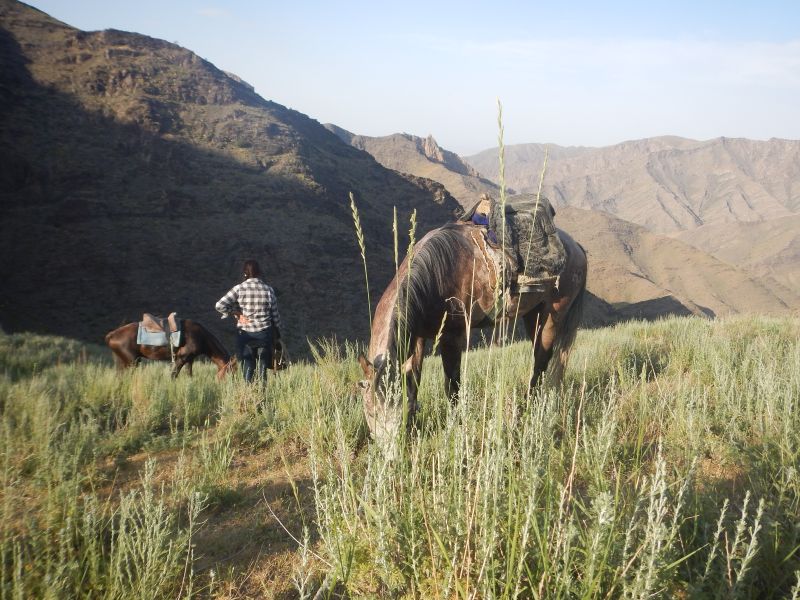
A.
x: 251, y: 269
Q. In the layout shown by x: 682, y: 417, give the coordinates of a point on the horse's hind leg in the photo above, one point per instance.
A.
x: 541, y: 329
x: 123, y: 358
x: 119, y: 362
x: 451, y: 347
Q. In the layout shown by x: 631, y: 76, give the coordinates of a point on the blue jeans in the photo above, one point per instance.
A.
x: 254, y: 350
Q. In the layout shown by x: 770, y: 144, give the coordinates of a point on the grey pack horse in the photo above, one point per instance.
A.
x: 451, y: 287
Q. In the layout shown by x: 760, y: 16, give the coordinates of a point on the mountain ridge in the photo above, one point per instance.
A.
x: 624, y: 281
x: 746, y: 191
x: 668, y: 184
x: 136, y: 176
x: 423, y: 157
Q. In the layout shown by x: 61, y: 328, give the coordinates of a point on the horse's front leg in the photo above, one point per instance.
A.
x: 413, y: 373
x: 451, y: 347
x: 179, y: 363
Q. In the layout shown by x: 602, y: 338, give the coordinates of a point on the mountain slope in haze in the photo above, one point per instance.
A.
x: 135, y: 176
x: 667, y: 184
x: 634, y: 272
x: 425, y: 158
x: 737, y: 199
x: 642, y: 274
x: 770, y: 249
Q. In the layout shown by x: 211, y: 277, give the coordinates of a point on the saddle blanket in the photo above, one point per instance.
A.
x: 158, y: 338
x: 153, y: 331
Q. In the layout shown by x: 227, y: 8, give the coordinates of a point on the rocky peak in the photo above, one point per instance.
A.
x: 432, y: 150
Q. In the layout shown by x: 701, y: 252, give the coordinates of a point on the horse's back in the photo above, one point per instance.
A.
x: 121, y: 334
x: 574, y: 248
x: 575, y: 268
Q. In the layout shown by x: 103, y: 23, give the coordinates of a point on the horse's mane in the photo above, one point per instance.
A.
x: 429, y: 279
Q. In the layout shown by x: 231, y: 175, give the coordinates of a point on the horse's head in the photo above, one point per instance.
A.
x: 385, y: 397
x: 370, y: 387
x: 381, y: 388
x: 380, y: 391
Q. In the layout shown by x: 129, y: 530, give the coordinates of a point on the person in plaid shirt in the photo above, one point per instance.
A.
x: 258, y: 322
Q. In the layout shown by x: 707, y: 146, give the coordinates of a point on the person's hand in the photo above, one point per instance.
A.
x: 242, y: 320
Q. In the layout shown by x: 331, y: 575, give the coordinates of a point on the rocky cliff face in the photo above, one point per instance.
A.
x: 431, y: 149
x: 423, y: 157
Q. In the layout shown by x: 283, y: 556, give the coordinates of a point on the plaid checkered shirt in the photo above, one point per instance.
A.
x: 256, y: 301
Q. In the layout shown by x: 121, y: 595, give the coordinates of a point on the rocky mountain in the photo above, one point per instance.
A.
x: 769, y: 249
x: 736, y: 199
x: 425, y: 158
x: 636, y: 272
x: 666, y: 184
x: 641, y: 274
x: 136, y: 176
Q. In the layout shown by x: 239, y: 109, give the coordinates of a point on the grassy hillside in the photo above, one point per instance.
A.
x: 667, y: 466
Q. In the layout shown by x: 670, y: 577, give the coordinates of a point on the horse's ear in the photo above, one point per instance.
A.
x: 366, y: 366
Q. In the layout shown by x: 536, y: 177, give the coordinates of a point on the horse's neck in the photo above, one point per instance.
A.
x: 396, y: 335
x: 216, y: 352
x: 382, y: 336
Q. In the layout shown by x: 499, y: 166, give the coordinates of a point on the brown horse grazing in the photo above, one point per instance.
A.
x: 451, y: 287
x: 197, y: 341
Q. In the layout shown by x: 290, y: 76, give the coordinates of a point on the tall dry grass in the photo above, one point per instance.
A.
x: 667, y: 466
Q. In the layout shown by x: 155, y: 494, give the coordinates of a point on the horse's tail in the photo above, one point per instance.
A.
x: 565, y: 338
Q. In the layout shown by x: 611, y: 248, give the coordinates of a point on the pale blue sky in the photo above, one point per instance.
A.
x: 569, y: 73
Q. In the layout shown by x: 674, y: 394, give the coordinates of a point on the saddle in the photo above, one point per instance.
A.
x: 153, y: 331
x: 534, y: 253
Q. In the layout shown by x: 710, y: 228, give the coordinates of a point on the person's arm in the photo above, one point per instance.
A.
x: 229, y: 305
